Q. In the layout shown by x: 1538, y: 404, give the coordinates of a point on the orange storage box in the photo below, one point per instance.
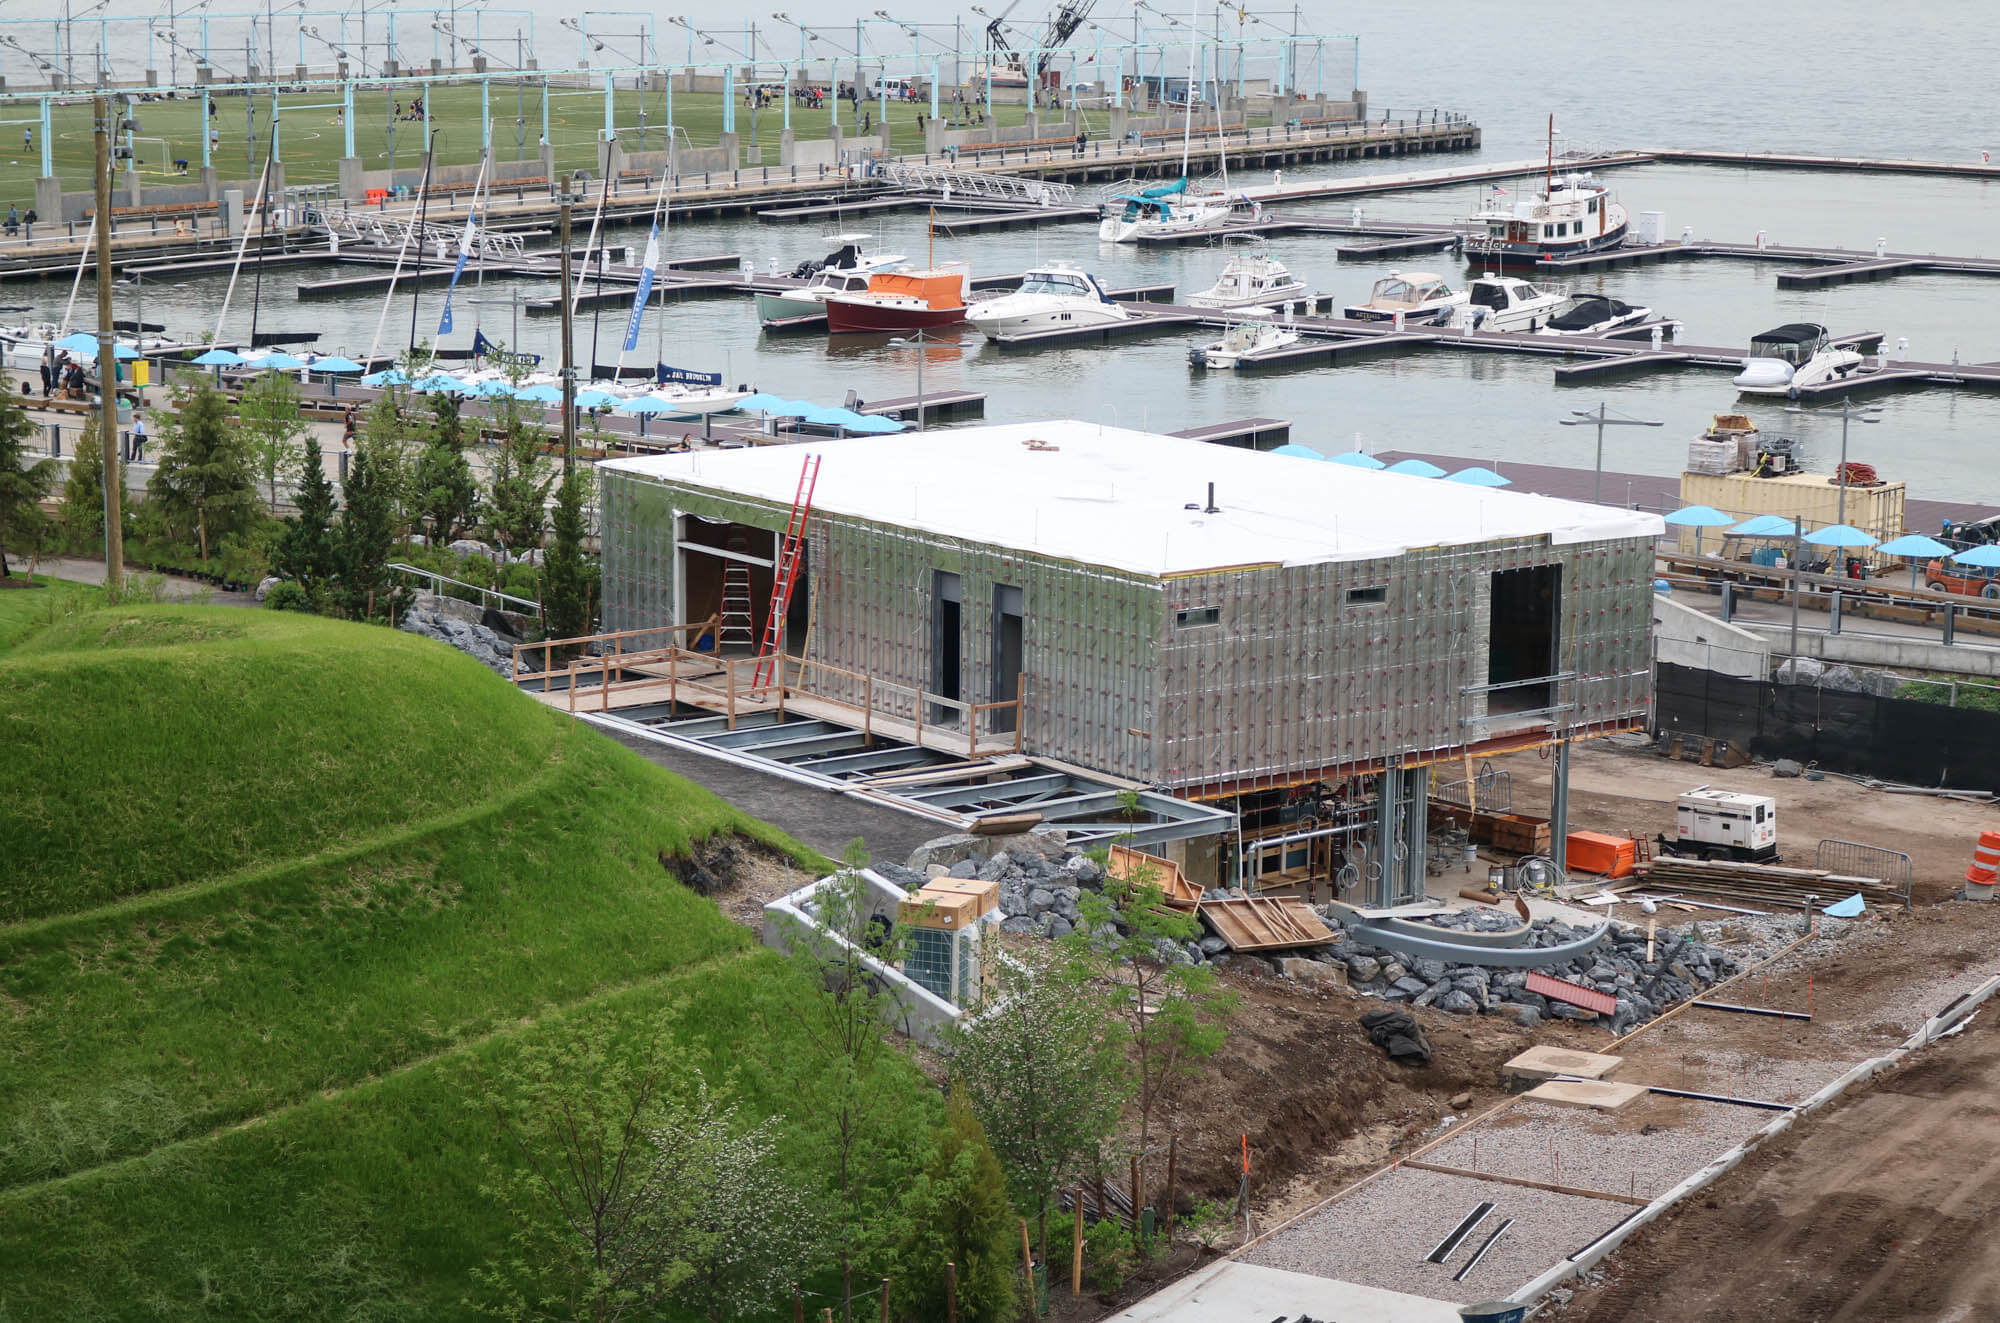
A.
x: 1607, y: 856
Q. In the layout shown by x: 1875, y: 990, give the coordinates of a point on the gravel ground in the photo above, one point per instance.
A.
x: 1645, y: 1150
x: 1406, y: 1214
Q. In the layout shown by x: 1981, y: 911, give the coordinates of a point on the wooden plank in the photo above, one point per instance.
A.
x: 1125, y: 863
x: 1552, y: 1188
x: 1259, y: 923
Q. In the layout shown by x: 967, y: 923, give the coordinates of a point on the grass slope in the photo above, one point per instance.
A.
x: 331, y: 875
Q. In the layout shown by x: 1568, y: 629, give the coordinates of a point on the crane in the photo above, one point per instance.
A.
x: 1062, y: 24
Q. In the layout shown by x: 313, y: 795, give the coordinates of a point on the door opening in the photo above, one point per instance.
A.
x: 1007, y: 654
x: 1522, y: 639
x: 947, y: 652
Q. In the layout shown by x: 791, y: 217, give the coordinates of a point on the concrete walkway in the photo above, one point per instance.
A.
x: 173, y: 588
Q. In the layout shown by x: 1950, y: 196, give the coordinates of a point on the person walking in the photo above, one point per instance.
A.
x: 48, y: 376
x: 138, y: 437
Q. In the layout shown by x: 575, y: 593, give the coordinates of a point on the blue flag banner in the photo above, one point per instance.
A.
x: 465, y: 242
x: 645, y: 290
x: 684, y: 377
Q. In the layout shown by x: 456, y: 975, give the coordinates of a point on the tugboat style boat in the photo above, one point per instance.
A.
x: 1787, y: 358
x: 844, y: 271
x: 1250, y: 280
x: 1594, y: 314
x: 1572, y: 216
x: 1250, y: 335
x: 1422, y: 297
x: 1509, y: 303
x: 1049, y: 298
x: 901, y: 301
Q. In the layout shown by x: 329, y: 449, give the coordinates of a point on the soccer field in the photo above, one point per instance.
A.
x: 312, y: 139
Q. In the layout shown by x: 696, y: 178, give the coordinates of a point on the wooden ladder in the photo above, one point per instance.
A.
x: 790, y: 552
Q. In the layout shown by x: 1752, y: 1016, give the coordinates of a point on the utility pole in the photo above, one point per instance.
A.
x: 107, y: 367
x: 1601, y: 418
x: 568, y: 356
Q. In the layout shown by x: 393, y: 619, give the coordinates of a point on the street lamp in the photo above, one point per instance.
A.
x: 1847, y: 413
x: 919, y: 339
x: 1601, y: 418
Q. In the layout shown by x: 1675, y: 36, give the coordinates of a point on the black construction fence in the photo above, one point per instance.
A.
x: 1895, y: 739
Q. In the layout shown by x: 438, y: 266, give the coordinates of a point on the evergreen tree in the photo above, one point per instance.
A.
x: 569, y: 581
x: 367, y: 533
x: 957, y: 1213
x: 81, y: 507
x: 446, y: 494
x: 23, y: 486
x: 518, y: 496
x: 272, y: 425
x: 206, y: 482
x: 306, y: 550
x: 392, y: 439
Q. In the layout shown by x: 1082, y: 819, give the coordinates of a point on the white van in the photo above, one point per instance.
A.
x: 896, y: 89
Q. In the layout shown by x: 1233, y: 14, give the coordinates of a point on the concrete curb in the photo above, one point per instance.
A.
x: 1933, y: 1029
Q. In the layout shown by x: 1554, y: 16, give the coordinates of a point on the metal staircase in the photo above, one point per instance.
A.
x: 785, y: 577
x: 973, y: 184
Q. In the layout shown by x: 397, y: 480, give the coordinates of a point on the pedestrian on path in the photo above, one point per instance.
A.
x: 48, y: 376
x: 138, y: 437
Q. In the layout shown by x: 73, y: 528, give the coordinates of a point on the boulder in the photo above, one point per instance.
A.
x: 466, y: 546
x: 1525, y: 1016
x: 1018, y: 923
x: 1458, y: 1003
x: 1047, y: 842
x: 1410, y: 987
x: 1213, y: 945
x: 1041, y: 900
x: 264, y: 586
x: 1360, y: 968
x: 964, y: 868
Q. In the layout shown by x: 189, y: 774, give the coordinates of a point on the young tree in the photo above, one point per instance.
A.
x: 1169, y: 1011
x: 445, y: 491
x: 569, y: 581
x: 394, y: 442
x: 1041, y: 1067
x: 306, y: 550
x: 205, y: 482
x: 367, y: 533
x: 957, y: 1212
x: 586, y: 1194
x: 23, y: 485
x: 81, y: 506
x: 519, y: 492
x: 843, y: 1075
x: 273, y: 426
x: 743, y: 1228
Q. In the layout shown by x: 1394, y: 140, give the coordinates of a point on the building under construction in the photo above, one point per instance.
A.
x: 1296, y: 642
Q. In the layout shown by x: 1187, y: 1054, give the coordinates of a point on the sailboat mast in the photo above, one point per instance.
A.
x: 237, y: 267
x: 1187, y: 121
x: 1549, y: 175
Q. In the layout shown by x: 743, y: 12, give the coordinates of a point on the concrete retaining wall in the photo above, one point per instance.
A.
x: 1688, y: 637
x: 923, y: 1014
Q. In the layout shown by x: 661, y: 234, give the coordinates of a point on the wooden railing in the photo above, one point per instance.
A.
x: 718, y: 677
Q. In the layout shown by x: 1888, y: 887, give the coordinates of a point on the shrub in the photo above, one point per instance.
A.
x: 1108, y: 1254
x: 288, y: 596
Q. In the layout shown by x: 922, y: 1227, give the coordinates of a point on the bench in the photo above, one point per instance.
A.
x: 156, y: 211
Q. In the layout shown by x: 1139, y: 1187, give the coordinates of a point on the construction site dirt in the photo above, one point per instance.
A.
x: 1614, y: 789
x: 1879, y: 1208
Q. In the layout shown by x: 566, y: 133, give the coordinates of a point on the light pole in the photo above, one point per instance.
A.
x: 1601, y: 418
x: 919, y: 339
x: 1847, y: 413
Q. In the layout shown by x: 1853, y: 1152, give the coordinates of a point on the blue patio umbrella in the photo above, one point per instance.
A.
x: 440, y: 383
x: 333, y: 364
x: 277, y: 362
x: 124, y: 353
x: 833, y: 417
x: 1698, y: 517
x: 386, y: 377
x: 761, y: 402
x: 1763, y: 526
x: 539, y: 394
x: 491, y: 389
x: 1416, y: 468
x: 1839, y: 535
x: 1297, y: 451
x: 79, y: 342
x: 1914, y: 547
x: 873, y: 424
x: 1354, y: 459
x: 1479, y: 477
x: 595, y: 399
x: 219, y: 358
x: 1985, y: 557
x: 646, y: 404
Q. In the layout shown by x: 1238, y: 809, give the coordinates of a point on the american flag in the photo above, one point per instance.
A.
x: 1497, y: 189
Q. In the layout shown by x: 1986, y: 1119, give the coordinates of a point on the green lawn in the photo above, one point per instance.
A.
x: 278, y: 890
x: 311, y: 139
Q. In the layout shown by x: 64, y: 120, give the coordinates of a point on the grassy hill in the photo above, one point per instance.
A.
x: 277, y: 891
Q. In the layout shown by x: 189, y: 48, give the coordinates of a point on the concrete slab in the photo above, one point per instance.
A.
x: 1543, y: 1062
x: 1598, y: 1095
x: 1232, y: 1292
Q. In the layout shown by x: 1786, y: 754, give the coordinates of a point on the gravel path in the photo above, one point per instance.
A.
x: 1379, y: 1235
x: 1644, y: 1150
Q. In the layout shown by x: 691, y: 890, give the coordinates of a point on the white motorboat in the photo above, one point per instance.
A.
x: 1796, y: 355
x: 1594, y: 314
x: 1509, y: 303
x: 845, y: 270
x: 22, y: 348
x: 1251, y: 334
x: 693, y: 401
x: 1251, y: 280
x: 1050, y: 298
x: 1422, y: 297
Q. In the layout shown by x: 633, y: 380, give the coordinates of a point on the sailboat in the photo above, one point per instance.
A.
x: 1168, y: 208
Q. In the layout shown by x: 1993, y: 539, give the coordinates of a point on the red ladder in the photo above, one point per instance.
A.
x: 785, y: 575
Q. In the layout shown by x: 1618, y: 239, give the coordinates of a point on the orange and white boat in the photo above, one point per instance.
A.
x: 902, y: 301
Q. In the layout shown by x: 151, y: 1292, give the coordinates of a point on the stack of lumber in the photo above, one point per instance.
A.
x: 1516, y: 832
x: 1757, y: 884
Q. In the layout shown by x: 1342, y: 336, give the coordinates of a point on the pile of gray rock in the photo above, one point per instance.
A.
x: 1042, y: 880
x: 1832, y: 675
x: 1682, y: 965
x: 442, y: 618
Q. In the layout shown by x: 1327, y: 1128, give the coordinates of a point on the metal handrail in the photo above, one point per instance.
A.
x: 435, y: 578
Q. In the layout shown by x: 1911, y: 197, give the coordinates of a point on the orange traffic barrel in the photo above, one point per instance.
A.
x: 1985, y: 868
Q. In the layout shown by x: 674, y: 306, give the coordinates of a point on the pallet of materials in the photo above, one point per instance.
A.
x: 1761, y: 884
x: 1127, y: 864
x: 1506, y: 831
x: 1265, y: 923
x: 1606, y: 856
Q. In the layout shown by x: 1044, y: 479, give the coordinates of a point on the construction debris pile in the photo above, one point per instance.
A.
x: 1641, y: 989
